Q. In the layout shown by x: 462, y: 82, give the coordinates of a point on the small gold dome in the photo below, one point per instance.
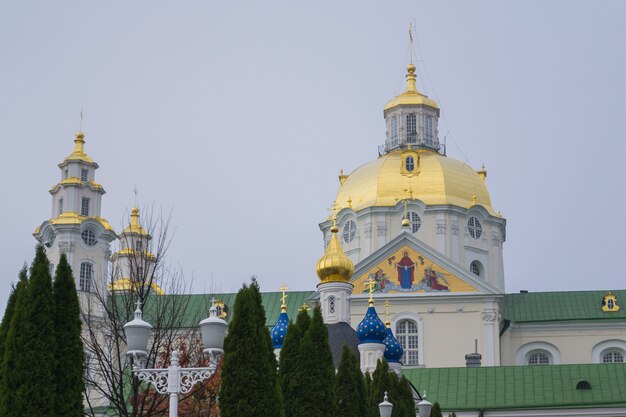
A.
x: 411, y: 97
x: 79, y: 151
x: 334, y: 265
x: 406, y: 222
x: 135, y: 227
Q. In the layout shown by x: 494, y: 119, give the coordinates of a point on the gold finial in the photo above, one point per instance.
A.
x: 334, y: 209
x: 387, y: 305
x: 474, y: 199
x: 370, y: 283
x: 342, y: 177
x: 304, y: 307
x: 410, y: 76
x: 283, y: 306
x: 79, y: 142
x: 349, y: 201
x: 80, y: 129
x: 482, y: 173
x: 134, y: 217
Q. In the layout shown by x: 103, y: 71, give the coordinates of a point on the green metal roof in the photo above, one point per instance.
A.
x: 197, y: 305
x: 522, y: 387
x: 561, y: 306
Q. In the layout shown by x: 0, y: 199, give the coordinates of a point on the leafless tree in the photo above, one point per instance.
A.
x: 140, y: 264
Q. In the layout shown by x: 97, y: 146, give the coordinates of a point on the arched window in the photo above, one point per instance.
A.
x: 409, y: 164
x: 86, y: 277
x: 415, y: 220
x: 407, y: 335
x: 476, y: 268
x: 612, y: 356
x: 394, y: 131
x: 474, y: 227
x: 138, y: 245
x: 538, y: 357
x: 411, y: 128
x: 331, y: 305
x: 349, y: 231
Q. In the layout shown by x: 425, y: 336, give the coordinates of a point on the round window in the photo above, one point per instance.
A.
x: 349, y: 231
x: 415, y: 220
x: 89, y: 237
x: 474, y: 227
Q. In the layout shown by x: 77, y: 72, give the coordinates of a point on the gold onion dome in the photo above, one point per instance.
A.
x: 406, y: 222
x: 134, y: 226
x: 411, y: 97
x: 440, y: 181
x: 334, y: 265
x: 79, y: 152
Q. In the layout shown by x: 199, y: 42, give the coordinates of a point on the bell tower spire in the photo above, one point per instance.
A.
x: 76, y: 227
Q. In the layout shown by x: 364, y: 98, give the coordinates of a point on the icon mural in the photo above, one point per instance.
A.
x: 406, y: 271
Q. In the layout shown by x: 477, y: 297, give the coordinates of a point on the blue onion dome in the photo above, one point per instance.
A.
x: 280, y: 330
x: 371, y: 329
x: 393, y: 349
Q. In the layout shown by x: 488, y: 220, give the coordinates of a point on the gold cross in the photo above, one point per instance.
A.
x: 387, y: 305
x: 283, y: 288
x: 371, y: 282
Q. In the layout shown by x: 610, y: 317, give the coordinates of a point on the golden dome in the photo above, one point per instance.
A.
x: 334, y: 265
x: 437, y: 180
x: 134, y: 226
x: 79, y: 152
x: 411, y: 97
x: 128, y: 285
x: 406, y: 222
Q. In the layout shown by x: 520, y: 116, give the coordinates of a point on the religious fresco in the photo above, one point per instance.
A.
x: 408, y: 271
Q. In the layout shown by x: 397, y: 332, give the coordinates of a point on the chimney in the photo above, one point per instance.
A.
x: 472, y: 360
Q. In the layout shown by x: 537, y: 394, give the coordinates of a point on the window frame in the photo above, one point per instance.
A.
x: 84, y: 206
x: 543, y: 357
x: 84, y: 174
x: 474, y: 227
x: 411, y: 134
x: 415, y: 219
x: 409, y: 340
x: 85, y: 280
x: 348, y: 232
x: 89, y: 237
x: 393, y: 135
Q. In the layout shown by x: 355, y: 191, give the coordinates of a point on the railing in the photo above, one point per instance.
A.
x: 427, y: 144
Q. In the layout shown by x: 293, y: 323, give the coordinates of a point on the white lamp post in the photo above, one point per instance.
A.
x: 424, y: 408
x: 385, y: 407
x: 174, y: 379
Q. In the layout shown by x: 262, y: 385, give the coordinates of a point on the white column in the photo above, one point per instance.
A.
x: 341, y: 292
x: 370, y: 353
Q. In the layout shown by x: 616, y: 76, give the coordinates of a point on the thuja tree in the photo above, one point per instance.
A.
x: 289, y: 359
x: 9, y: 315
x: 314, y: 380
x: 29, y: 359
x: 436, y: 410
x: 69, y: 347
x: 397, y: 389
x: 249, y: 380
x: 351, y: 399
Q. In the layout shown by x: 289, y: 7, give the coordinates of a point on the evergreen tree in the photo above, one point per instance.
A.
x: 314, y: 380
x: 371, y: 405
x: 351, y: 399
x: 289, y: 359
x: 381, y: 383
x: 452, y: 415
x: 30, y: 347
x: 404, y: 399
x: 6, y: 325
x: 249, y: 381
x: 436, y: 410
x: 69, y: 350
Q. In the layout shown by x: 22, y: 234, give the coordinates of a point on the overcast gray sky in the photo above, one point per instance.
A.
x: 239, y: 115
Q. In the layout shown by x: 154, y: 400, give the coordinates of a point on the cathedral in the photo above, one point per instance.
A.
x: 413, y: 272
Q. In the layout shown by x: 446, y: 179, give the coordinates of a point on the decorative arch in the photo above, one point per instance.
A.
x: 415, y: 318
x: 523, y: 353
x: 601, y: 349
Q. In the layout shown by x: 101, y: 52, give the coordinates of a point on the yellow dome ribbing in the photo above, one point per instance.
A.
x: 334, y: 265
x: 441, y: 180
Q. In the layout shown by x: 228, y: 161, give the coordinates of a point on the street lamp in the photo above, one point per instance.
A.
x: 385, y: 407
x: 174, y: 379
x: 424, y: 408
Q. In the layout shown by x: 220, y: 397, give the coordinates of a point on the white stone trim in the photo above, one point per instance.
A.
x: 613, y: 344
x: 408, y: 315
x: 524, y: 350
